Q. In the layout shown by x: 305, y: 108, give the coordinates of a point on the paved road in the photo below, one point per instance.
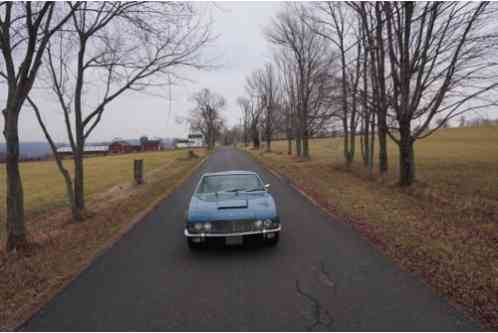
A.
x: 321, y: 276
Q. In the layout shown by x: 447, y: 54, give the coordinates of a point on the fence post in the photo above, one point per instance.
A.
x: 138, y: 168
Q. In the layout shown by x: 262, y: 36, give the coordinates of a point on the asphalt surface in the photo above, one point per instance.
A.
x: 321, y: 276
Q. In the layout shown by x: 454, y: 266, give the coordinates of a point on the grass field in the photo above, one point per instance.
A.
x: 445, y: 227
x: 44, y: 186
x: 460, y: 160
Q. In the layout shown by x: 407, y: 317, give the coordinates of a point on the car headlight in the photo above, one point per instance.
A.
x: 207, y: 227
x: 258, y: 224
x: 267, y: 223
x: 198, y: 227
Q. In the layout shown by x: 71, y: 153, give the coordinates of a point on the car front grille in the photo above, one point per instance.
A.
x: 227, y: 227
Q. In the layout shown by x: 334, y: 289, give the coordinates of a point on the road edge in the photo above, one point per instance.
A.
x: 134, y: 221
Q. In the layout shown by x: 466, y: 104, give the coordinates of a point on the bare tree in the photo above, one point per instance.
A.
x: 230, y: 136
x: 109, y: 48
x: 440, y: 57
x: 331, y: 21
x: 287, y: 98
x: 368, y: 111
x: 264, y: 84
x: 25, y: 31
x: 312, y: 60
x: 254, y: 113
x: 245, y: 107
x: 206, y: 116
x: 372, y: 27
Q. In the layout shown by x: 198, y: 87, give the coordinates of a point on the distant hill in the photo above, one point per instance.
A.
x: 40, y: 149
x: 31, y: 149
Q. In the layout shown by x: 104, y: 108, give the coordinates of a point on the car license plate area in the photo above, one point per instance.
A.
x: 234, y: 240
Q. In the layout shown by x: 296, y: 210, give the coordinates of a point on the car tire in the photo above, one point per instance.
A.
x: 273, y: 241
x: 193, y: 245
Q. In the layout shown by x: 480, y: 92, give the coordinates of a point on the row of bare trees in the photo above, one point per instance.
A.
x: 86, y: 55
x: 382, y: 71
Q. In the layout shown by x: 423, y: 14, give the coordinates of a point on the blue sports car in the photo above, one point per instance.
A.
x: 231, y: 207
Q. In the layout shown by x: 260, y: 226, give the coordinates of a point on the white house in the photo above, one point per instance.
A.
x: 194, y: 140
x: 197, y: 139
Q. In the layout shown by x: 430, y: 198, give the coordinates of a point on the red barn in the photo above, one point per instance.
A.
x: 151, y: 145
x: 120, y: 147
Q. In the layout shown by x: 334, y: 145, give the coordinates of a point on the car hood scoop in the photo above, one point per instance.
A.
x: 232, y: 204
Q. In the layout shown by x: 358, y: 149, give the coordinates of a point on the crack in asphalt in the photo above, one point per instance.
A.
x: 322, y: 316
x: 325, y: 276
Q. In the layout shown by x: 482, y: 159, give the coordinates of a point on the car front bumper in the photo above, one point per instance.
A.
x: 262, y: 232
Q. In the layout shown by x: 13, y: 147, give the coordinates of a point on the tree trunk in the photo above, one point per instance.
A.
x: 211, y: 139
x: 246, y: 134
x: 255, y: 135
x: 289, y: 145
x: 306, y: 148
x: 352, y: 146
x: 298, y: 137
x: 75, y: 212
x: 79, y: 190
x: 362, y: 148
x: 406, y: 159
x: 260, y: 138
x: 268, y: 132
x: 352, y: 135
x: 299, y: 150
x: 382, y: 135
x: 381, y: 77
x: 366, y: 140
x: 16, y: 229
x: 58, y: 160
x: 372, y: 147
x: 345, y: 129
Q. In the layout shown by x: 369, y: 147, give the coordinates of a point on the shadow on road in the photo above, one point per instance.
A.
x: 249, y: 249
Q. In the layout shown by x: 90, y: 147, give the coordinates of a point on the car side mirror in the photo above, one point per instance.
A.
x: 267, y: 187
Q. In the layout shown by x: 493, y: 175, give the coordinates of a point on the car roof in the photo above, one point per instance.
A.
x: 233, y: 172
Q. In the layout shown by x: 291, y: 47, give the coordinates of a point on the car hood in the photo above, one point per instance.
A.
x: 231, y: 206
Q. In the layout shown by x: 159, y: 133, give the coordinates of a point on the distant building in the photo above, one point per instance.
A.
x: 122, y: 147
x: 182, y: 143
x: 87, y: 150
x: 151, y: 145
x: 197, y: 139
x: 194, y: 140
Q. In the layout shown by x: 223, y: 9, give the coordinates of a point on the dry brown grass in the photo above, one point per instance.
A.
x: 445, y: 227
x: 60, y: 249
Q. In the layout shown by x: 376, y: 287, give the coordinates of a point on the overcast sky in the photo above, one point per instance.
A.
x: 241, y: 48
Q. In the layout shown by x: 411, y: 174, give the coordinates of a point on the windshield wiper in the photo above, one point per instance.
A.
x: 234, y: 190
x: 254, y: 189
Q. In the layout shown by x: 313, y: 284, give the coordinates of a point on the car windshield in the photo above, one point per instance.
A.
x: 230, y: 183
